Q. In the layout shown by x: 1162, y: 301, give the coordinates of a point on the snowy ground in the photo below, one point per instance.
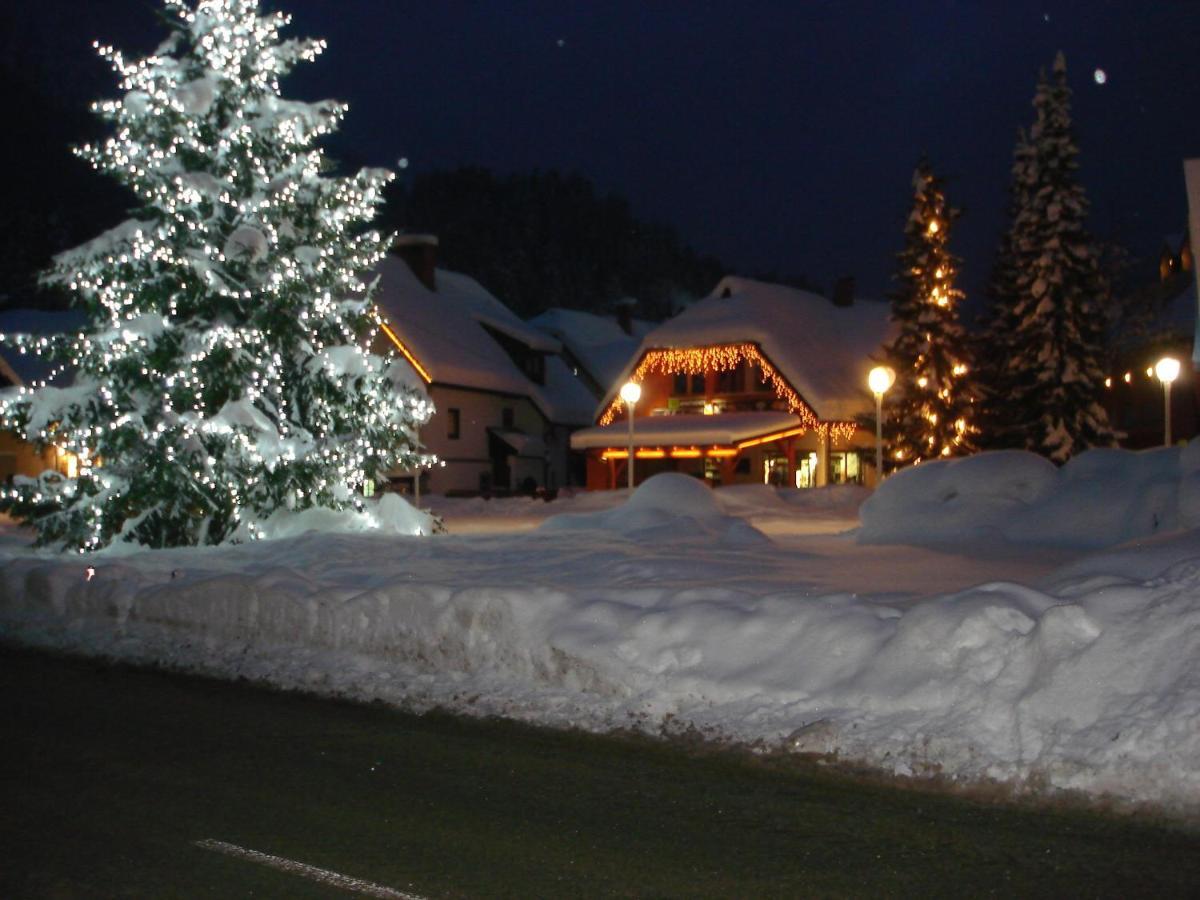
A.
x: 746, y: 613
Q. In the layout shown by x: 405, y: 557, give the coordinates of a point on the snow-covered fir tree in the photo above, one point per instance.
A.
x: 999, y: 424
x: 1050, y: 376
x: 223, y: 373
x: 930, y: 409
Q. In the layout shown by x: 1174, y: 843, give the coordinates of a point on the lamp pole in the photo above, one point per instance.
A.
x: 879, y: 380
x: 1167, y: 370
x: 631, y: 392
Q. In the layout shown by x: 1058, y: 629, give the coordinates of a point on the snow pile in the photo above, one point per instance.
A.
x: 664, y: 507
x: 649, y: 615
x: 1099, y: 498
x: 390, y: 515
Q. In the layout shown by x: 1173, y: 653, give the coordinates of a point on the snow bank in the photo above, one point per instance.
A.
x: 390, y: 515
x: 664, y: 507
x: 647, y: 615
x: 1099, y: 498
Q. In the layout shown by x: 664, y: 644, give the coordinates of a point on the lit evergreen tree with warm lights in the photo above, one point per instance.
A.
x: 1046, y: 374
x: 930, y: 411
x: 223, y: 374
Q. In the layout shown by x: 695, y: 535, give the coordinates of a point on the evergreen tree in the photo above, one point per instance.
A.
x: 1052, y: 377
x: 223, y: 373
x: 930, y: 407
x: 999, y: 424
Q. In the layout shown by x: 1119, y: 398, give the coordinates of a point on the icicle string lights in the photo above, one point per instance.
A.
x: 715, y: 358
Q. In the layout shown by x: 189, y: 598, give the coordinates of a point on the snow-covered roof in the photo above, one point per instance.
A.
x: 824, y: 351
x: 685, y: 430
x: 598, y: 342
x: 447, y: 332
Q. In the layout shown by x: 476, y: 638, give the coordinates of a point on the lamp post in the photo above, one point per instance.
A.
x: 879, y: 380
x: 631, y: 393
x: 1167, y: 370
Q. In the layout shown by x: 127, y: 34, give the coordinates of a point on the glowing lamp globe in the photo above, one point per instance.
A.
x: 1167, y: 369
x: 880, y: 379
x: 631, y: 393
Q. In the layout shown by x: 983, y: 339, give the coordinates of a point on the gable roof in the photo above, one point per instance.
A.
x: 447, y: 332
x: 599, y: 344
x: 823, y: 351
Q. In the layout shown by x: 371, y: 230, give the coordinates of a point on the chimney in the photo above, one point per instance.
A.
x: 420, y: 252
x: 624, y: 309
x: 843, y: 291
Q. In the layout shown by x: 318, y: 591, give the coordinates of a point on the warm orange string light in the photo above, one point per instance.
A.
x: 716, y: 358
x: 837, y: 431
x: 767, y: 438
x: 399, y: 344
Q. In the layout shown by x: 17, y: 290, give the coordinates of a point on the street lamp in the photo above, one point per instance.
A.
x: 879, y: 380
x: 631, y: 393
x: 1167, y: 370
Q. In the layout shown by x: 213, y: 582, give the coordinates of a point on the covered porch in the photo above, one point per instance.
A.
x: 768, y: 447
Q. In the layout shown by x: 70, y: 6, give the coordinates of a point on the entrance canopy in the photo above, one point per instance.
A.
x: 724, y: 429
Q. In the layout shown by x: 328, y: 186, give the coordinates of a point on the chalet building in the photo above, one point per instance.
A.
x: 756, y: 383
x: 506, y: 402
x: 596, y: 347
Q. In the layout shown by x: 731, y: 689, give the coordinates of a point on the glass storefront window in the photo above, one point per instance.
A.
x: 806, y: 470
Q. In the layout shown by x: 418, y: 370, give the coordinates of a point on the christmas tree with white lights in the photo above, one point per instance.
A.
x: 930, y: 407
x: 1051, y: 379
x: 223, y: 373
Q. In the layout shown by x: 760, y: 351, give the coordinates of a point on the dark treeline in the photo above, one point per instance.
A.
x: 546, y: 239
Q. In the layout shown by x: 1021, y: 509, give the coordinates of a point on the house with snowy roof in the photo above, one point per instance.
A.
x: 755, y: 383
x: 596, y: 347
x: 506, y: 400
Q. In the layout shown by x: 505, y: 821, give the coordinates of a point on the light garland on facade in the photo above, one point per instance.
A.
x: 405, y: 352
x: 714, y: 358
x: 837, y: 431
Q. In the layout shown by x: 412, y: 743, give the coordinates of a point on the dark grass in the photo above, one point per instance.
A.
x: 109, y: 774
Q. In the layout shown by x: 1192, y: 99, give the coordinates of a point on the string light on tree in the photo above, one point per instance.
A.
x: 223, y: 373
x: 931, y: 400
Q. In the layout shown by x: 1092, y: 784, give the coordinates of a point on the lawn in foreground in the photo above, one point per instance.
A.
x: 111, y: 774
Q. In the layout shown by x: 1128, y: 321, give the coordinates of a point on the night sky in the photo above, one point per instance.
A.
x: 778, y: 136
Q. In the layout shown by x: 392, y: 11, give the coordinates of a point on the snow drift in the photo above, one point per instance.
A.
x: 1088, y: 682
x: 1099, y: 498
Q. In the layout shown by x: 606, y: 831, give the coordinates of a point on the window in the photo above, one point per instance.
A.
x: 453, y: 423
x: 730, y: 381
x: 698, y: 384
x: 506, y: 418
x: 775, y: 471
x: 806, y: 470
x: 681, y: 383
x: 844, y: 468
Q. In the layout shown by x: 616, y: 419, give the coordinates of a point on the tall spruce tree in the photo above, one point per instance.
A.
x: 1049, y: 376
x: 931, y: 405
x: 999, y: 425
x: 223, y: 373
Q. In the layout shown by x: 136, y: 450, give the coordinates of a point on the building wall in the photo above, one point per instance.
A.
x: 18, y: 457
x: 803, y: 461
x: 469, y: 462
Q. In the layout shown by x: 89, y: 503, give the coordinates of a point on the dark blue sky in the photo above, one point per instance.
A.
x: 779, y: 136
